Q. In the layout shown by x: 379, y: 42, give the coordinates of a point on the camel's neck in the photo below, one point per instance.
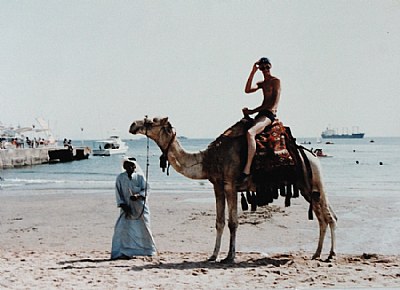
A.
x: 187, y: 164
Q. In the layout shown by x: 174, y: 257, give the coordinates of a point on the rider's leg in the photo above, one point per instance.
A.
x: 259, y: 126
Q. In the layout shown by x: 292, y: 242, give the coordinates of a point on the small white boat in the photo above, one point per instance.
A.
x: 113, y: 145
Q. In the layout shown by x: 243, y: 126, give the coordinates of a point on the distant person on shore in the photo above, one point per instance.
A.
x: 70, y: 145
x: 132, y: 234
x: 271, y: 89
x: 28, y: 142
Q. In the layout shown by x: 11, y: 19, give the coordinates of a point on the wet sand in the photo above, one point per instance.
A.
x: 63, y: 240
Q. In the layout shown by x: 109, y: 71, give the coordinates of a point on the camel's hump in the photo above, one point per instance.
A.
x: 238, y: 129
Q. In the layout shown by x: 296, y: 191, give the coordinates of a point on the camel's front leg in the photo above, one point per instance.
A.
x: 220, y: 219
x: 231, y: 197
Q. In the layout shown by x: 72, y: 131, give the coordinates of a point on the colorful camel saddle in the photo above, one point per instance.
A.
x: 272, y: 151
x: 276, y: 167
x: 274, y: 145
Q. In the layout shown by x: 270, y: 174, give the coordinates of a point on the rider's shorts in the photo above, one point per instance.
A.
x: 267, y: 114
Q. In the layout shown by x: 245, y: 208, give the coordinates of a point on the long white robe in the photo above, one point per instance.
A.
x: 132, y: 235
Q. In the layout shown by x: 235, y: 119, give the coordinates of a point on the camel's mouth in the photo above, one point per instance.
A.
x: 134, y: 128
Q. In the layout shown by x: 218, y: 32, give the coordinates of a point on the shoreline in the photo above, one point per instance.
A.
x: 51, y: 240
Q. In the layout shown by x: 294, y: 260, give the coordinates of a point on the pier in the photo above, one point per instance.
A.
x: 10, y: 158
x: 18, y: 157
x: 33, y: 145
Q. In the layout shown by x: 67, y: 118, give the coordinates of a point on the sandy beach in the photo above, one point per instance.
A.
x: 63, y: 240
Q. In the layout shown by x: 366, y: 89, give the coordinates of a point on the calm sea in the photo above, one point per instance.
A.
x: 358, y: 170
x: 358, y: 166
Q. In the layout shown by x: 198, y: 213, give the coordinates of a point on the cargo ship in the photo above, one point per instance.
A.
x: 331, y: 133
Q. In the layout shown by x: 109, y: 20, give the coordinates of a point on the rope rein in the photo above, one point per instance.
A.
x: 147, y: 166
x: 146, y: 178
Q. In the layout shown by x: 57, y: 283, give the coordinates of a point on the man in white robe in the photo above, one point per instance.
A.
x: 132, y: 234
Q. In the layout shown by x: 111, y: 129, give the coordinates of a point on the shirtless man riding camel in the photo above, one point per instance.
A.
x: 271, y: 88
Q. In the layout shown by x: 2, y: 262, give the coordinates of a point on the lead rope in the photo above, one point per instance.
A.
x: 145, y: 189
x: 147, y: 166
x: 147, y: 163
x: 147, y: 176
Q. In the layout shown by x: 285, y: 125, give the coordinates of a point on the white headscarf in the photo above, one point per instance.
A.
x: 132, y: 160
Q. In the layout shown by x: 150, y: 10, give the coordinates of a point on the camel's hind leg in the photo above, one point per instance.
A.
x: 332, y: 226
x: 325, y: 217
x: 220, y: 218
x: 319, y: 201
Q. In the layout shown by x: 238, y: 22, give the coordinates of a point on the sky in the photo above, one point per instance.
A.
x: 99, y: 65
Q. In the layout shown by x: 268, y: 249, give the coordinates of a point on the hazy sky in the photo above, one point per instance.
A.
x: 102, y: 64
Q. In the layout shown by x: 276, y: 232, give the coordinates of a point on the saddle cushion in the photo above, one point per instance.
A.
x: 274, y: 162
x: 271, y: 145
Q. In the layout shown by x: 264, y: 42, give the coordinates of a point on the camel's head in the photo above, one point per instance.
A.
x: 158, y: 129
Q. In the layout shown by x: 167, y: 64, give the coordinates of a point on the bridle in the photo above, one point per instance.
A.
x: 147, y: 124
x: 164, y: 162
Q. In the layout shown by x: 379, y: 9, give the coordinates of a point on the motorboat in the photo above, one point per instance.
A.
x: 319, y: 153
x: 110, y: 146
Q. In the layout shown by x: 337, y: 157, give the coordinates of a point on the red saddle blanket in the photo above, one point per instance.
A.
x: 275, y: 152
x: 272, y: 150
x: 276, y: 165
x: 275, y: 145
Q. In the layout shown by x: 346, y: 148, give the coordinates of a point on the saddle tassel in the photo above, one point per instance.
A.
x: 288, y: 195
x: 245, y: 205
x: 253, y: 201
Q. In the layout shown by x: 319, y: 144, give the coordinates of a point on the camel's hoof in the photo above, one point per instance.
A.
x: 315, y: 257
x: 228, y: 260
x: 331, y: 255
x: 212, y: 258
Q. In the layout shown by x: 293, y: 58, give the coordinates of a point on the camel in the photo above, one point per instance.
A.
x: 222, y: 167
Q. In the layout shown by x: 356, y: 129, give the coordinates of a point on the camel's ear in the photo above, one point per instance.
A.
x: 163, y: 121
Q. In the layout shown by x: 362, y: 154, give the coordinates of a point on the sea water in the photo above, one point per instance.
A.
x: 356, y: 167
x: 98, y: 173
x: 358, y: 171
